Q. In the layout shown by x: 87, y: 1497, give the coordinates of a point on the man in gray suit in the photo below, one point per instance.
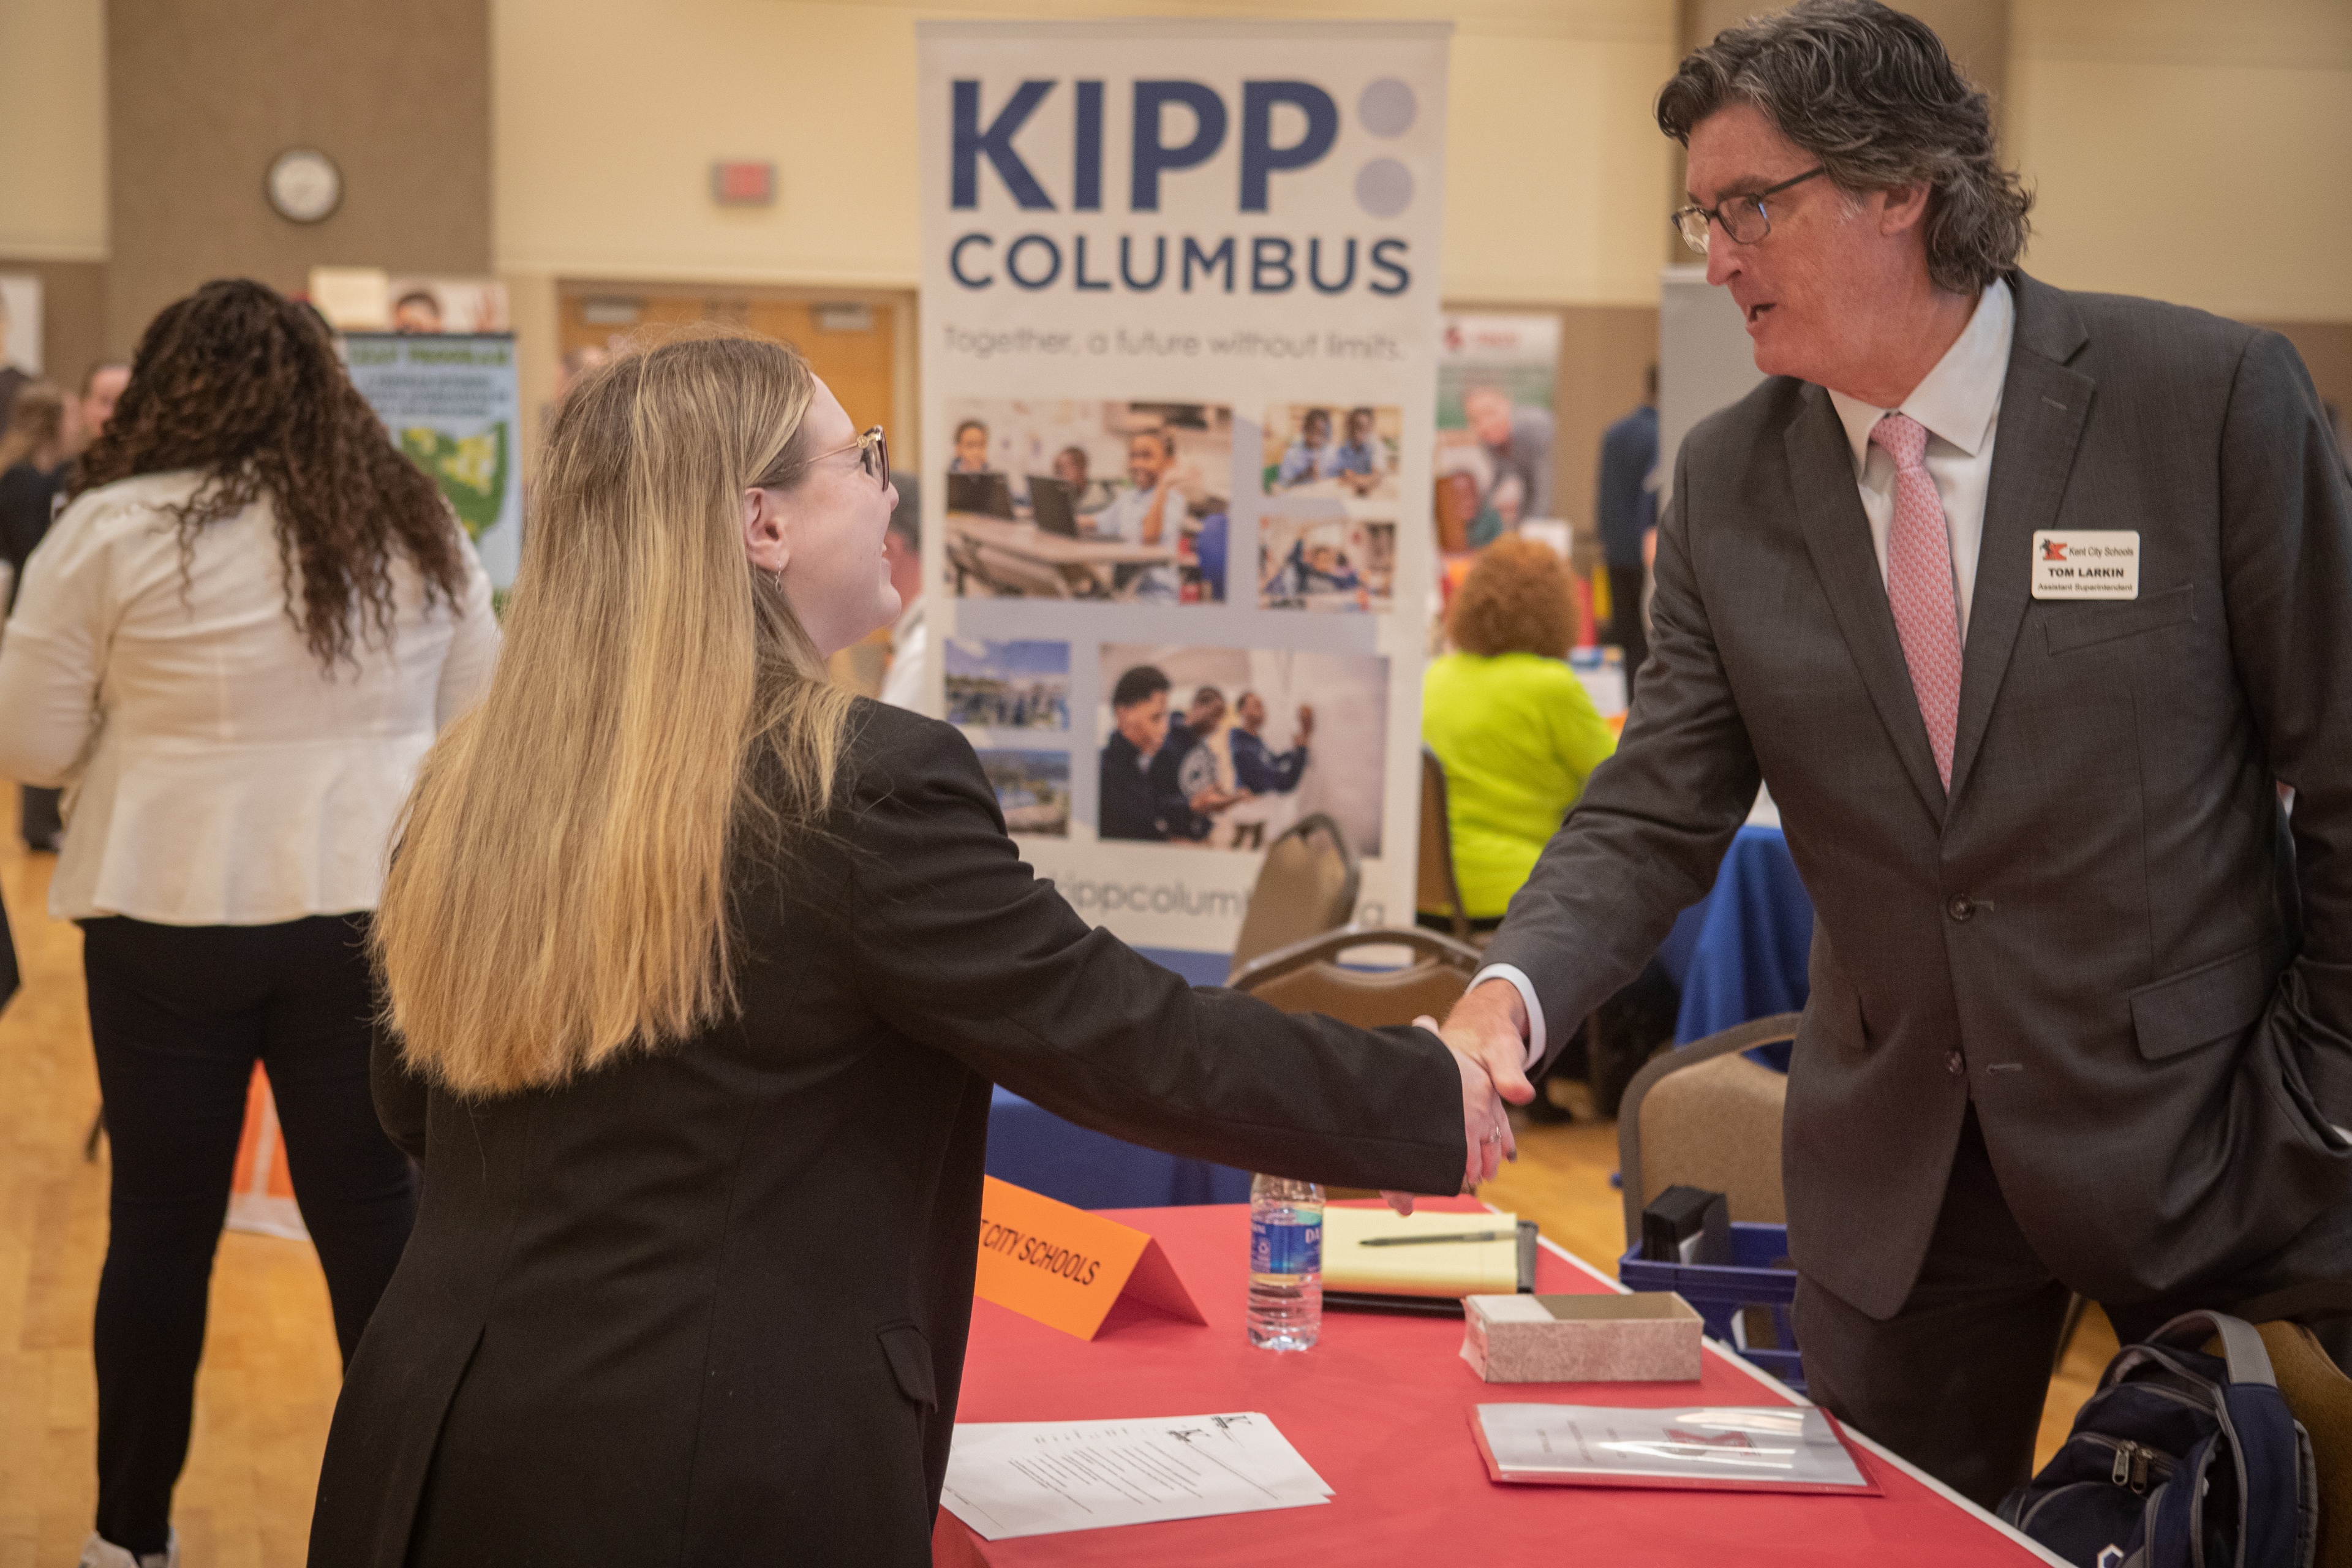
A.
x: 2026, y: 604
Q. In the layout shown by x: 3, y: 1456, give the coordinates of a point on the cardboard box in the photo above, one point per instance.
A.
x: 1649, y: 1336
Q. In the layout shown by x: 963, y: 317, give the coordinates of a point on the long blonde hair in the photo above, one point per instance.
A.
x: 558, y: 892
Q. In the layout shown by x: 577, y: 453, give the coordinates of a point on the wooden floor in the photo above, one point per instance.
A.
x: 268, y: 1382
x: 270, y: 1369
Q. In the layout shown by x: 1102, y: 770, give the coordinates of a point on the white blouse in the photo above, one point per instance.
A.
x: 217, y: 772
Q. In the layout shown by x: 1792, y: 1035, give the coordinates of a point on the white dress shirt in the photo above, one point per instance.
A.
x: 217, y: 772
x: 1958, y: 402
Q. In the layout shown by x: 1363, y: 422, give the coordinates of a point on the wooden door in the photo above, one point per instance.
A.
x: 851, y: 342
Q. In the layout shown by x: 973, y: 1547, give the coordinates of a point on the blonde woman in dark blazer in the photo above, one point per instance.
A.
x: 696, y: 1032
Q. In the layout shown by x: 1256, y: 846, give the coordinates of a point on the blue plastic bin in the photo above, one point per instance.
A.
x: 1718, y: 1290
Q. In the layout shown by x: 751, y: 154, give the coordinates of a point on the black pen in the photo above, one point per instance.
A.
x: 1420, y: 1240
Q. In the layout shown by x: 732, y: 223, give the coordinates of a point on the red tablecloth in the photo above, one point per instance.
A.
x: 1381, y: 1408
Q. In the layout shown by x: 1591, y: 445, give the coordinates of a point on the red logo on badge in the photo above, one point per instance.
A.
x: 2053, y: 550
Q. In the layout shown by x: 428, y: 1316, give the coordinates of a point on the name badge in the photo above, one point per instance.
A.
x: 2086, y: 565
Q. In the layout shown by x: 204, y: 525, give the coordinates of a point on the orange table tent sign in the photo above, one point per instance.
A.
x: 1067, y: 1267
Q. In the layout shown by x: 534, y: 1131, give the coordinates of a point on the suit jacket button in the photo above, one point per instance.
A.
x: 1960, y: 908
x: 1956, y: 1063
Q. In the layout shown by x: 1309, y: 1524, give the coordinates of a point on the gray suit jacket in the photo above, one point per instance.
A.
x: 2105, y: 936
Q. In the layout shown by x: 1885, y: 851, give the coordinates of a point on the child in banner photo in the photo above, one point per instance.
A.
x: 1346, y: 454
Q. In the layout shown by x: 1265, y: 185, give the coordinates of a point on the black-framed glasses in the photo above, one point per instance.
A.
x: 1743, y: 216
x: 873, y: 449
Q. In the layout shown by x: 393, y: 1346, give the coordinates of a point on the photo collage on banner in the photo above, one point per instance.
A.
x: 1180, y: 287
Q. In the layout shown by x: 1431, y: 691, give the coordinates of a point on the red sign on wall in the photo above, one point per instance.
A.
x: 743, y: 185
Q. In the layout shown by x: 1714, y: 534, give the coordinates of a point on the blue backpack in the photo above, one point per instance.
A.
x: 2181, y: 1460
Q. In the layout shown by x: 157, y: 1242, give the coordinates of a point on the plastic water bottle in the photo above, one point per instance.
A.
x: 1286, y: 1288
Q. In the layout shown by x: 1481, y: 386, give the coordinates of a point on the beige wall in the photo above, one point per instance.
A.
x: 2191, y: 150
x: 202, y: 94
x: 53, y: 131
x: 2180, y: 148
x: 610, y: 111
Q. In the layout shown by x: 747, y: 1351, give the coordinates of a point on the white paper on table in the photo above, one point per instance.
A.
x: 1724, y: 1446
x: 1009, y: 1478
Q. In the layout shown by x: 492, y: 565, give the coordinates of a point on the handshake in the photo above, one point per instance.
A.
x: 1487, y: 1036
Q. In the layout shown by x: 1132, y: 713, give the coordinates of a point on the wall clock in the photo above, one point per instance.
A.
x: 304, y: 185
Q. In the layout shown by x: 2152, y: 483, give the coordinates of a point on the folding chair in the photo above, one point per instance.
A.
x: 1306, y: 886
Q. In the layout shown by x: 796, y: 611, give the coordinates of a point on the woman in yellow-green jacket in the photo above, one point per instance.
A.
x: 1508, y: 718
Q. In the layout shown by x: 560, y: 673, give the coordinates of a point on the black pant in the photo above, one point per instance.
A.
x: 37, y: 818
x: 177, y: 1016
x: 1955, y: 1382
x: 1625, y: 619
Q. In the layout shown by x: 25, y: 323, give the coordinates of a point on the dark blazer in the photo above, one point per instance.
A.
x: 708, y: 1304
x: 2105, y: 937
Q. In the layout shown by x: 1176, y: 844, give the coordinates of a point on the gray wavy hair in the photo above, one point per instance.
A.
x: 1872, y: 94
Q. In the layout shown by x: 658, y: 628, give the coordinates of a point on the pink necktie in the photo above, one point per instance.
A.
x: 1919, y: 586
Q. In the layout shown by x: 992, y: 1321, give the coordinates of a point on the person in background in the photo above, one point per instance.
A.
x: 1150, y: 511
x: 1517, y: 443
x: 575, y: 364
x: 902, y: 548
x: 238, y: 640
x: 1309, y: 455
x: 35, y: 452
x: 971, y: 448
x: 417, y: 312
x: 1257, y: 769
x: 36, y: 458
x: 101, y: 389
x: 1511, y: 722
x: 696, y: 1035
x: 12, y: 378
x: 1358, y: 461
x: 1627, y: 506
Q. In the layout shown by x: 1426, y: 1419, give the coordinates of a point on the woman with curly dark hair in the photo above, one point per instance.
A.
x: 233, y: 647
x: 1509, y: 720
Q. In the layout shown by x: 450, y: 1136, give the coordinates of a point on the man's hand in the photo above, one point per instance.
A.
x: 1489, y: 1026
x: 1306, y: 724
x: 1486, y: 1123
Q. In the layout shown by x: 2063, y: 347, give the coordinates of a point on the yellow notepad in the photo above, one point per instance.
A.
x: 1421, y: 1269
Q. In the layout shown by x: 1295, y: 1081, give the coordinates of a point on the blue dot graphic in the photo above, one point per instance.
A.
x: 1387, y: 108
x: 1384, y: 187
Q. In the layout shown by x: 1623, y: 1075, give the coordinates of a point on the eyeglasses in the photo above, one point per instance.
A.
x: 1743, y: 218
x: 873, y: 450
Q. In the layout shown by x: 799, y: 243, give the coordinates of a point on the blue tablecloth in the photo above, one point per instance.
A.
x: 1032, y: 1147
x: 1739, y: 953
x: 1036, y: 1149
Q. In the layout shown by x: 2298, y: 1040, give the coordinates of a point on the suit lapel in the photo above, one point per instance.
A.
x: 2042, y: 407
x: 1837, y: 536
